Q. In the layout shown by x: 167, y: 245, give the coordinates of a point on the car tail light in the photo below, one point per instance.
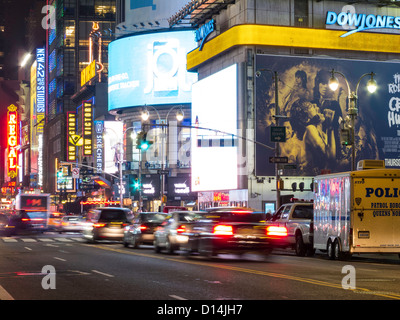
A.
x: 181, y: 229
x: 99, y: 225
x: 25, y: 219
x: 222, y: 229
x: 142, y: 228
x: 276, y: 231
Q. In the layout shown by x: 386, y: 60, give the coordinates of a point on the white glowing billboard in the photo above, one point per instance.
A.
x: 150, y: 69
x: 214, y: 152
x: 113, y: 135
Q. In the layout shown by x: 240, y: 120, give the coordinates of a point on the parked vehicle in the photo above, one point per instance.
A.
x: 228, y: 230
x: 107, y: 223
x: 142, y: 229
x: 290, y: 225
x: 357, y: 211
x: 172, y: 232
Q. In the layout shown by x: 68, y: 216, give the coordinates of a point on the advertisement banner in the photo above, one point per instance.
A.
x: 314, y: 113
x: 150, y: 69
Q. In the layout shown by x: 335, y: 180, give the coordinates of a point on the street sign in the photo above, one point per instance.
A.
x: 75, y: 173
x: 278, y: 134
x: 162, y: 171
x: 290, y: 166
x: 278, y: 159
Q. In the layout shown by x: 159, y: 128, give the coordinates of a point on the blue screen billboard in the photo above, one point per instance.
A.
x: 314, y: 111
x: 150, y: 69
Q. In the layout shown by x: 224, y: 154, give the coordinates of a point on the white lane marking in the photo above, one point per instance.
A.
x: 10, y: 240
x: 27, y: 248
x: 176, y: 297
x: 4, y: 295
x: 104, y: 274
x: 61, y: 259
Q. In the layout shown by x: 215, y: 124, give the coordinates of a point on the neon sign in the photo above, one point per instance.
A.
x: 71, y: 143
x: 361, y: 22
x: 87, y: 128
x: 12, y: 141
x: 203, y: 32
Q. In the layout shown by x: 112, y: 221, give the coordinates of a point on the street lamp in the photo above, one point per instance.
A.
x: 277, y: 116
x: 179, y: 116
x: 353, y: 99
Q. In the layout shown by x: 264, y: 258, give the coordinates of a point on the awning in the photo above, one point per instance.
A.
x: 196, y: 12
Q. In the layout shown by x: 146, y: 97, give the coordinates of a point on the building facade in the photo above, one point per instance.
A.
x: 298, y: 44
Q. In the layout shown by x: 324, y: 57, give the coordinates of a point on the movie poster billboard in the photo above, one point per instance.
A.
x: 314, y: 113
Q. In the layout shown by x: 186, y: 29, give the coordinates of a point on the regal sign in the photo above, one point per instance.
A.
x: 12, y: 141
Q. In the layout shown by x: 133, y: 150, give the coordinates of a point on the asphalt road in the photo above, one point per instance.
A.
x: 64, y: 267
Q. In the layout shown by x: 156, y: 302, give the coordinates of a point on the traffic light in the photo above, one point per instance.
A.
x: 346, y: 137
x: 141, y: 141
x: 136, y: 184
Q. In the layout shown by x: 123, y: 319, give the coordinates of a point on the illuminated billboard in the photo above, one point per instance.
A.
x: 150, y: 69
x: 214, y: 154
x: 113, y: 150
x: 314, y: 112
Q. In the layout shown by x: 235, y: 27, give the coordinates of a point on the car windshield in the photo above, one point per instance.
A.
x: 153, y: 217
x: 72, y: 218
x: 36, y: 215
x: 303, y: 212
x: 189, y: 216
x: 112, y: 215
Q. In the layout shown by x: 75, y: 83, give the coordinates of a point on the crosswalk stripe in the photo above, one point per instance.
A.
x: 64, y: 239
x: 28, y: 240
x: 46, y: 239
x: 31, y: 240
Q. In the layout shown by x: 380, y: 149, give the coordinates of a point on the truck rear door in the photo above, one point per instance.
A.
x: 376, y: 214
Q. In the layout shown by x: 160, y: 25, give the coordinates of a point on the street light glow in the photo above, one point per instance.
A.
x: 372, y: 85
x: 25, y: 59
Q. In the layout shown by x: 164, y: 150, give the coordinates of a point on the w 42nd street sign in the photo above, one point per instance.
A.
x: 278, y: 134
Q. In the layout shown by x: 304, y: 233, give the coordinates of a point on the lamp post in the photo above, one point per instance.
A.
x: 179, y: 116
x: 277, y: 117
x: 353, y: 99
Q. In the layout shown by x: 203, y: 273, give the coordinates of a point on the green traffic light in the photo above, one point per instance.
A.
x: 136, y: 184
x: 144, y: 145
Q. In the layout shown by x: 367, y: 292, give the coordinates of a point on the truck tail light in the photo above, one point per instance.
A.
x: 276, y: 231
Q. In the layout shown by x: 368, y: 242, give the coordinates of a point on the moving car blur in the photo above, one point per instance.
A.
x: 71, y: 224
x: 228, y: 230
x: 21, y: 221
x: 107, y: 223
x: 141, y: 231
x: 172, y: 232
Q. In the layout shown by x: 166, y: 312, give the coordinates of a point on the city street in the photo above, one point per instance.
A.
x: 109, y: 271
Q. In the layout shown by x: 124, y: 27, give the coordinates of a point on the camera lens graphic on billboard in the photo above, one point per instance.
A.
x: 150, y: 69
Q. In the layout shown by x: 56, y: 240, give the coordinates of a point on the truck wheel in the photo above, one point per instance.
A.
x: 330, y: 250
x: 337, y: 252
x: 300, y: 247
